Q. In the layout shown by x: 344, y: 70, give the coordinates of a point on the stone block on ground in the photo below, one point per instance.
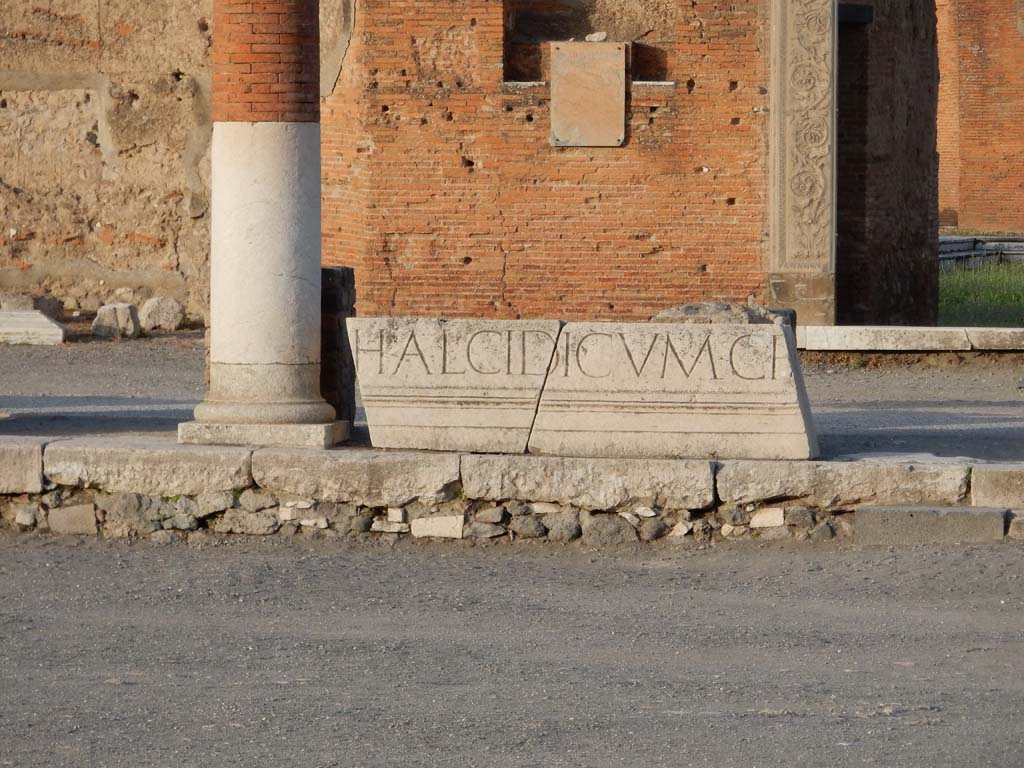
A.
x: 773, y: 517
x: 21, y: 464
x: 909, y: 525
x: 368, y: 477
x: 1016, y: 529
x: 456, y: 385
x: 156, y: 466
x: 443, y: 527
x: 50, y: 306
x: 675, y: 390
x: 30, y: 328
x: 562, y: 526
x: 117, y: 321
x: 161, y: 314
x: 606, y: 530
x: 528, y: 527
x: 79, y: 520
x: 998, y: 485
x: 240, y: 521
x: 819, y: 338
x: 842, y: 485
x: 590, y: 483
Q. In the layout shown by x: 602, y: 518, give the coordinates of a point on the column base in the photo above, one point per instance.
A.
x: 277, y: 435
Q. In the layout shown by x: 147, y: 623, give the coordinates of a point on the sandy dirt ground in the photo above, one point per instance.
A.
x: 321, y: 654
x: 973, y: 409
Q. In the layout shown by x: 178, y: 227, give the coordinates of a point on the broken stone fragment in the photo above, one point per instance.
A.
x: 606, y: 530
x: 25, y: 516
x: 528, y: 527
x: 652, y: 529
x: 117, y: 321
x: 493, y: 515
x: 159, y: 313
x: 773, y: 517
x: 562, y: 526
x: 444, y: 527
x: 261, y: 523
x: 79, y: 520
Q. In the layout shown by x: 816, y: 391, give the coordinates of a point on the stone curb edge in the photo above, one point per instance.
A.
x: 821, y: 338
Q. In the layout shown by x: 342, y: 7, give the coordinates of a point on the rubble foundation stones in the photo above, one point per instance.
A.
x: 117, y: 321
x: 78, y: 520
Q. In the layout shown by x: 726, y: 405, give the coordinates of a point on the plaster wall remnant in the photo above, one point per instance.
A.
x: 104, y: 127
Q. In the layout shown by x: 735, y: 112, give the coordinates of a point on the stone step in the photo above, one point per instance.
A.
x: 29, y: 327
x: 896, y: 526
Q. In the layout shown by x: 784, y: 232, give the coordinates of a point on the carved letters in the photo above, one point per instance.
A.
x: 582, y: 389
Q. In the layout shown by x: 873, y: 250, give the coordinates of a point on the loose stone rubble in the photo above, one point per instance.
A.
x: 117, y: 321
x: 161, y: 314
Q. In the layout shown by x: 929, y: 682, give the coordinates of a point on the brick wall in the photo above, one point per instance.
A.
x: 887, y: 248
x: 442, y: 190
x: 266, y: 61
x: 981, y: 50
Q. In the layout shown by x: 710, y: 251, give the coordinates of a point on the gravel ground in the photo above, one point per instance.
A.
x: 974, y: 409
x: 324, y: 654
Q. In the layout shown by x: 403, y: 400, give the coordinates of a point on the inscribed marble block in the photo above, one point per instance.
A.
x: 451, y: 385
x: 674, y: 391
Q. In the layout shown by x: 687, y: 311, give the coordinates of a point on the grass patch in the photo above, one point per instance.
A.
x: 992, y: 295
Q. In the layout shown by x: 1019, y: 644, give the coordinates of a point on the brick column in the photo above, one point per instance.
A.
x: 265, y: 260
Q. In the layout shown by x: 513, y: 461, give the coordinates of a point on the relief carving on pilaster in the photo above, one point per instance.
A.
x: 803, y: 145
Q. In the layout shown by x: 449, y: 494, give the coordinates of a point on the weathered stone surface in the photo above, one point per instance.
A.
x: 996, y: 338
x: 563, y: 526
x: 280, y: 435
x: 156, y: 466
x: 820, y: 338
x: 444, y: 527
x: 722, y: 313
x: 606, y: 530
x: 160, y: 313
x: 249, y: 523
x: 117, y: 321
x: 682, y: 528
x: 21, y: 464
x: 79, y: 520
x: 211, y: 503
x: 478, y: 530
x: 368, y: 477
x: 25, y: 516
x: 800, y: 517
x: 838, y: 485
x: 456, y: 385
x: 32, y: 328
x: 998, y: 485
x: 181, y: 522
x: 129, y: 514
x: 652, y: 529
x: 928, y: 525
x: 589, y: 483
x: 675, y: 391
x: 50, y: 306
x: 1016, y: 529
x: 254, y: 501
x: 773, y: 517
x: 823, y: 531
x: 528, y: 527
x: 493, y: 515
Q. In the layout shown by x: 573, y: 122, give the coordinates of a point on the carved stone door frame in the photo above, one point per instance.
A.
x: 802, y: 151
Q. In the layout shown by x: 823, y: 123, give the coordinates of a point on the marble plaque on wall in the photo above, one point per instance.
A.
x: 451, y: 385
x: 694, y: 391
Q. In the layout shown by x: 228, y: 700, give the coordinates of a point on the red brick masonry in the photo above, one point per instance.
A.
x: 266, y: 61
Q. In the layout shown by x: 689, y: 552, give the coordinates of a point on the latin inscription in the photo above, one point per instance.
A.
x: 641, y: 355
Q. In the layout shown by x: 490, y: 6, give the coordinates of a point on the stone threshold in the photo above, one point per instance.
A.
x: 862, y: 338
x: 153, y: 487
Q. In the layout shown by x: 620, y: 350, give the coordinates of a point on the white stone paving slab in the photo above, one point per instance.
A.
x: 675, y: 391
x: 21, y: 464
x: 156, y: 466
x: 823, y: 338
x: 455, y: 385
x: 589, y: 483
x: 365, y: 476
x: 29, y: 327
